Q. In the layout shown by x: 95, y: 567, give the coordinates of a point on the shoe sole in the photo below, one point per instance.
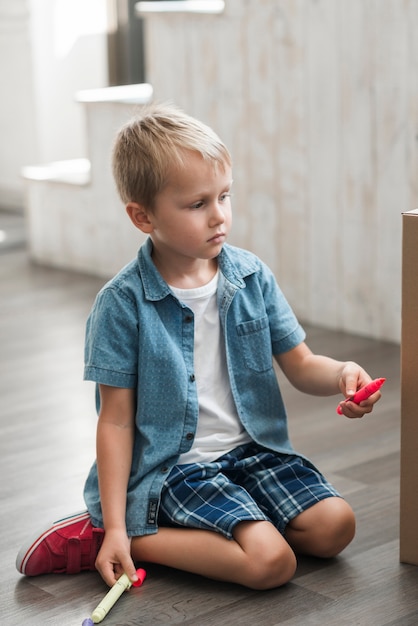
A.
x: 28, y: 549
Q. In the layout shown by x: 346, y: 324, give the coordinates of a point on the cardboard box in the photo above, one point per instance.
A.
x: 409, y: 391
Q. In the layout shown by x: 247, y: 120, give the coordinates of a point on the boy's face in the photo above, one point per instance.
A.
x: 191, y: 217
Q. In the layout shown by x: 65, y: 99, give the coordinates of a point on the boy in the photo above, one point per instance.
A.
x: 194, y: 466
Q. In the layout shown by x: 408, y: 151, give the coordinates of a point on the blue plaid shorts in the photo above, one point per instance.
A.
x: 248, y: 483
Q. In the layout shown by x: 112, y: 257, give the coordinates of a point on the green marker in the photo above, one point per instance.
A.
x: 113, y: 595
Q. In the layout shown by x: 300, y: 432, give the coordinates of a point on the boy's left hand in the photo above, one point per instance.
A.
x: 353, y: 377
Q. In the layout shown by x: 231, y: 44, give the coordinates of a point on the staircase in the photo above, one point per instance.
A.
x: 75, y: 219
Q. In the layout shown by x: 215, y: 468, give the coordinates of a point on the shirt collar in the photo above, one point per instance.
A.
x: 234, y: 264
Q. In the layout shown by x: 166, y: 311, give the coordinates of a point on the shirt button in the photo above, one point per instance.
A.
x: 164, y: 470
x: 188, y: 319
x: 189, y: 436
x: 192, y: 378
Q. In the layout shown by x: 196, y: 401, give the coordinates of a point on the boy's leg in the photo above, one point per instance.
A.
x: 323, y: 530
x: 306, y: 508
x: 257, y: 557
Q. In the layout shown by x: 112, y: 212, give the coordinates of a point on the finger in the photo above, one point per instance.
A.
x: 374, y: 398
x: 129, y: 568
x: 367, y: 405
x: 107, y: 573
x: 354, y: 377
x: 351, y: 386
x: 353, y: 410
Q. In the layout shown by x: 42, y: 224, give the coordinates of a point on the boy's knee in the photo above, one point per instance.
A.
x: 273, y: 567
x: 323, y: 530
x: 338, y: 529
x: 269, y: 561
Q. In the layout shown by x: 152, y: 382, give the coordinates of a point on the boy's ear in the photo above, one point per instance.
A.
x: 139, y: 217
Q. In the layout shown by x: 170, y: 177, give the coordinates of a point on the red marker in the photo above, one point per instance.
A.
x: 364, y: 393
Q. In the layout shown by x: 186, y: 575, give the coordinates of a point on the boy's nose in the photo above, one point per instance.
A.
x: 217, y: 215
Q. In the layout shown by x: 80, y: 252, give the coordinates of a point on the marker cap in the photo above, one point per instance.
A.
x: 141, y: 573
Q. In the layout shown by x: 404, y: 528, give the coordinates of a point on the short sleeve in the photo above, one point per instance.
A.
x: 286, y: 332
x: 111, y: 345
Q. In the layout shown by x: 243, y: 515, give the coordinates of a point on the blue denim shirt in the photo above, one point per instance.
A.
x: 140, y: 336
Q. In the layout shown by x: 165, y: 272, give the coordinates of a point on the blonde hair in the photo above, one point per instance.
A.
x: 153, y: 143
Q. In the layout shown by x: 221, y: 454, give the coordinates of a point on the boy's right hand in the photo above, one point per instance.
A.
x: 114, y: 557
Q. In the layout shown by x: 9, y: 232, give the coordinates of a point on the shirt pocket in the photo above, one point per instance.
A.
x: 255, y: 343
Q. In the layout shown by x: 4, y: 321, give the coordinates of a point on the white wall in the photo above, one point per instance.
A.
x: 17, y: 115
x: 318, y: 102
x: 49, y: 49
x: 316, y: 99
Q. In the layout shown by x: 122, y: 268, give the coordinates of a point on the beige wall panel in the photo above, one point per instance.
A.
x: 289, y: 154
x: 392, y: 125
x: 358, y: 219
x: 324, y: 169
x: 317, y: 101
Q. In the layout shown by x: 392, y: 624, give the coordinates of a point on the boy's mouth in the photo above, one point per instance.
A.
x: 217, y: 237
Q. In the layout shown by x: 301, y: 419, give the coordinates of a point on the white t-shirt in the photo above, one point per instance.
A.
x: 219, y: 429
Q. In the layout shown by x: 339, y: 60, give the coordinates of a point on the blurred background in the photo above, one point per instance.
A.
x: 316, y: 99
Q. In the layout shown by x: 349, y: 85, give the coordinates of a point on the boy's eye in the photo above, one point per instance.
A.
x: 201, y: 203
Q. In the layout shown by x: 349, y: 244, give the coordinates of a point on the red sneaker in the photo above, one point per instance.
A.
x: 69, y: 546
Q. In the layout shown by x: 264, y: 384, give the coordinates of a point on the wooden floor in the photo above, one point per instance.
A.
x: 47, y: 444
